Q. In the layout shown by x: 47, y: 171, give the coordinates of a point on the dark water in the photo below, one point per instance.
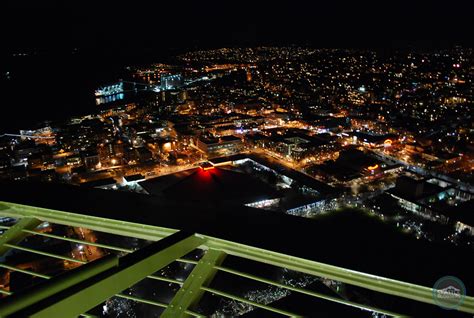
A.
x: 57, y: 85
x: 51, y: 88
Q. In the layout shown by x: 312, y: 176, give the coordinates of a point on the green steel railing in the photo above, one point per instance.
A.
x: 98, y: 279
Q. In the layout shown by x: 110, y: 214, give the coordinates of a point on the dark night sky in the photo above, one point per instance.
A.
x: 53, y: 83
x: 186, y: 24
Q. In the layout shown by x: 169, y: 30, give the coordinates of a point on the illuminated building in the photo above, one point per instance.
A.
x: 374, y: 140
x: 220, y: 146
x: 171, y: 81
x: 118, y: 148
x: 133, y: 180
x: 109, y: 90
x: 183, y: 95
x: 302, y: 156
x: 106, y: 184
x: 90, y: 159
x: 44, y: 135
x: 418, y: 196
x: 211, y: 184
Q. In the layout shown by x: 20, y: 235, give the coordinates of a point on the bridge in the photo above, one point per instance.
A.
x: 90, y: 283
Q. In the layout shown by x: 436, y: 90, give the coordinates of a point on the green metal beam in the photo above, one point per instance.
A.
x: 188, y: 261
x: 166, y: 279
x: 101, y: 245
x: 143, y: 301
x: 24, y: 271
x: 20, y: 300
x: 106, y: 246
x: 190, y: 292
x: 307, y: 292
x: 15, y: 234
x: 73, y: 240
x: 348, y: 276
x: 149, y: 232
x: 132, y: 268
x: 141, y: 231
x: 26, y: 249
x: 250, y: 302
x: 155, y: 303
x: 140, y: 300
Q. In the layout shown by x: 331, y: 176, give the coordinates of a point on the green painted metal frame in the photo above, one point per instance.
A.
x: 141, y: 231
x: 79, y: 297
x: 250, y: 302
x: 368, y: 281
x: 15, y: 234
x: 143, y: 301
x: 83, y: 242
x: 156, y: 303
x: 61, y: 257
x: 24, y: 271
x: 73, y: 240
x: 20, y: 301
x: 191, y: 291
x: 348, y: 276
x: 307, y: 292
x: 166, y: 279
x: 134, y: 298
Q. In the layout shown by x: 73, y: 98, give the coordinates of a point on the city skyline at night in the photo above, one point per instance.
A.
x: 244, y: 159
